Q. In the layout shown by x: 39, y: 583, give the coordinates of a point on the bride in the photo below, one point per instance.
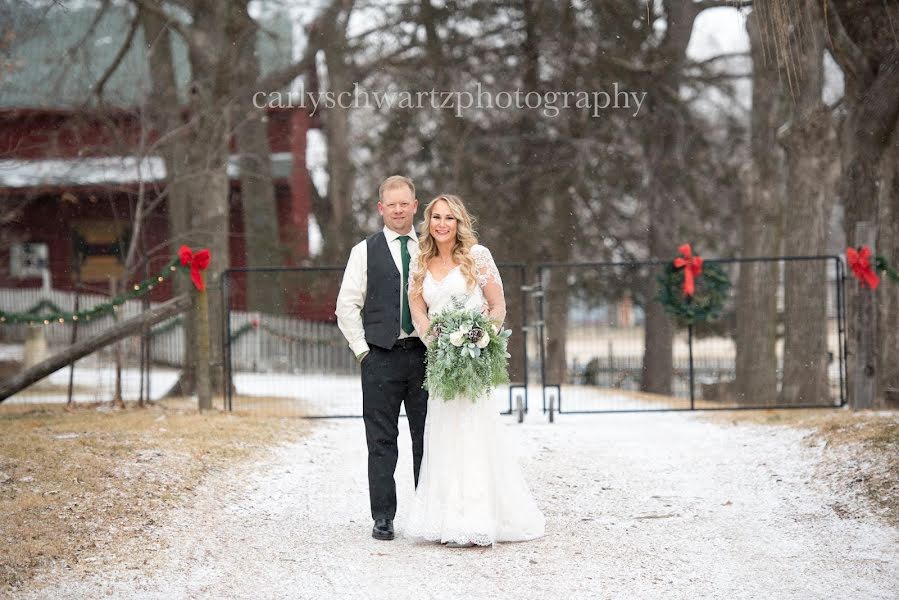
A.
x: 470, y: 489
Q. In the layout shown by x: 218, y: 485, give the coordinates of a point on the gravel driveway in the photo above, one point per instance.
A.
x: 637, y: 506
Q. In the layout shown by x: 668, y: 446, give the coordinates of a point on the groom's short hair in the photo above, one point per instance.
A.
x: 395, y: 181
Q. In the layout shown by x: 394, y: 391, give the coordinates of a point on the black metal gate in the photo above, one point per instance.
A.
x: 591, y: 327
x: 582, y: 342
x: 291, y: 359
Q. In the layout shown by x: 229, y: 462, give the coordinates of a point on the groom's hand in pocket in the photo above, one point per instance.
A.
x: 361, y: 356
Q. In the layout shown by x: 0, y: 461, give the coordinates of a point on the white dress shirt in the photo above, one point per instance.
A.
x: 355, y: 281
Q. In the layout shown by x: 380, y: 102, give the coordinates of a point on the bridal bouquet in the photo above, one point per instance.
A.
x: 467, y: 356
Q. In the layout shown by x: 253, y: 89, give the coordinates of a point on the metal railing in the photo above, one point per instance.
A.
x: 293, y: 360
x: 600, y: 365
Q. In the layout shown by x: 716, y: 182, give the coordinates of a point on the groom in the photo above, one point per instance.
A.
x: 373, y: 314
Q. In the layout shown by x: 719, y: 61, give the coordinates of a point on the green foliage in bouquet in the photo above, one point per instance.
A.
x: 467, y: 356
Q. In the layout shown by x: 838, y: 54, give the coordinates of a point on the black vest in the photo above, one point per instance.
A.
x: 381, y: 311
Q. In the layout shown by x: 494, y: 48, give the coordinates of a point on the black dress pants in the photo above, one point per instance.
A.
x: 390, y: 378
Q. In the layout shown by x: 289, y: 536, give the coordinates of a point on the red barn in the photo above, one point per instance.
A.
x: 69, y: 182
x: 71, y: 169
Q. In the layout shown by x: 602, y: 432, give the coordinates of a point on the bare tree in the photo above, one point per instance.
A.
x: 257, y: 194
x: 761, y: 231
x: 888, y: 293
x: 808, y: 146
x: 197, y: 136
x: 581, y: 181
x: 862, y: 39
x: 330, y: 35
x: 664, y: 143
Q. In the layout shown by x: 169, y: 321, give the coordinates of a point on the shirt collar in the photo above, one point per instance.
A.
x: 391, y: 235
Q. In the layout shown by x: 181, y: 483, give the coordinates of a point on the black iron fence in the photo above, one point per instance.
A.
x: 593, y: 328
x: 288, y: 357
x: 580, y: 338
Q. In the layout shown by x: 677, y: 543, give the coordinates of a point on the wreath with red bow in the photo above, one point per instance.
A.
x: 866, y: 270
x: 691, y: 290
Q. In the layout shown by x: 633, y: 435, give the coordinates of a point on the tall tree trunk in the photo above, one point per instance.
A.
x: 528, y: 204
x: 872, y: 108
x: 339, y: 232
x: 560, y: 209
x: 165, y: 112
x: 806, y: 144
x: 863, y: 44
x: 212, y: 59
x: 761, y: 218
x: 663, y: 148
x: 875, y: 109
x: 257, y: 193
x: 888, y: 291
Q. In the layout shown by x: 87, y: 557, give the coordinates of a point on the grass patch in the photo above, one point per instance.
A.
x: 75, y: 480
x: 862, y: 448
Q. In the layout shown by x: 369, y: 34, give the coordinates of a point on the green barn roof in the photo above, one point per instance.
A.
x: 53, y: 59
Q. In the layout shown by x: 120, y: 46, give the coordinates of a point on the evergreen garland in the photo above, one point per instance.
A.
x: 882, y: 266
x: 55, y: 315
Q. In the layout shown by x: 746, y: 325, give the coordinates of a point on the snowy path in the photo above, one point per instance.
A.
x: 637, y: 506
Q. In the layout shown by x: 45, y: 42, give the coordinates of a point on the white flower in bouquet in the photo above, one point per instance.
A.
x: 468, y: 356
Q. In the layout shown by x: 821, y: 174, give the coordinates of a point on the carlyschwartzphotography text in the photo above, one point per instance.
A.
x: 549, y: 103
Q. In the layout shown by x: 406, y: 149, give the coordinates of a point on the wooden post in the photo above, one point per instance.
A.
x: 611, y: 357
x: 690, y: 360
x: 864, y: 360
x: 35, y: 345
x: 71, y: 392
x: 117, y: 400
x: 201, y: 316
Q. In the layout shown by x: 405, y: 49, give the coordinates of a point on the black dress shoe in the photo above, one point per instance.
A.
x: 383, y: 529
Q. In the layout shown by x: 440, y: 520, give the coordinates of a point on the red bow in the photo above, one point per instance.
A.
x: 860, y: 263
x: 692, y: 266
x: 197, y: 262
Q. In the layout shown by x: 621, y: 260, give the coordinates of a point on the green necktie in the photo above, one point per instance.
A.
x: 407, y: 313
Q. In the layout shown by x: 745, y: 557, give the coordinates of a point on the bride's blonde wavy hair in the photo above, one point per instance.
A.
x: 466, y: 238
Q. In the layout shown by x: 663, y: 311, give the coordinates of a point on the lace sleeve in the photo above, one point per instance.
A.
x: 417, y: 305
x: 490, y: 282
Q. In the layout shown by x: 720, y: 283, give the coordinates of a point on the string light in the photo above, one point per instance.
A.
x: 102, y: 310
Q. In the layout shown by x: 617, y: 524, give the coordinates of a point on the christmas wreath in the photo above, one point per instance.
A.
x: 690, y: 291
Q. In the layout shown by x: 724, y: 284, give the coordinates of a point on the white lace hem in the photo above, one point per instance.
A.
x: 471, y: 488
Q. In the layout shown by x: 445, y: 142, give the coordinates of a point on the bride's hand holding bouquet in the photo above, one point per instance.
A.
x: 467, y: 354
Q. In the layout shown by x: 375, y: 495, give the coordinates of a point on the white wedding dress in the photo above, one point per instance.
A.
x: 470, y: 487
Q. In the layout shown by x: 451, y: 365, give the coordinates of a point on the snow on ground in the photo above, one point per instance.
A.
x: 95, y: 384
x: 11, y: 352
x: 657, y: 505
x: 343, y: 397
